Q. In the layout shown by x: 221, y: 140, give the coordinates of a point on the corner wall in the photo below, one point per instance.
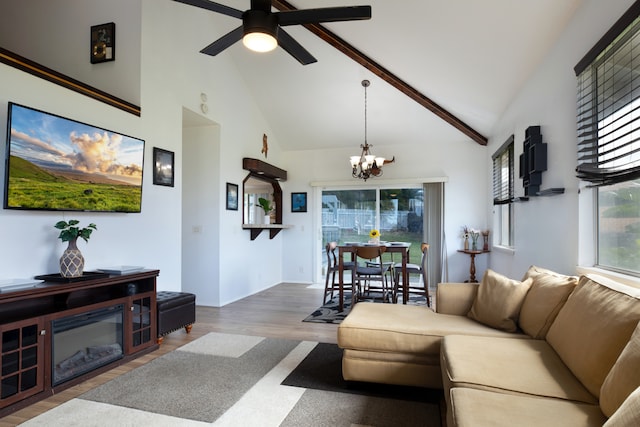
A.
x: 551, y: 231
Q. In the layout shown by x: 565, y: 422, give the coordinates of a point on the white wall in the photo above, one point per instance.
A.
x: 57, y: 34
x: 241, y: 266
x: 547, y: 228
x: 29, y: 240
x: 465, y: 197
x: 200, y: 214
x: 153, y: 238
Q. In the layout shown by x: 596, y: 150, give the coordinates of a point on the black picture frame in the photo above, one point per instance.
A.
x: 299, y: 202
x: 232, y: 197
x: 103, y: 43
x: 163, y: 167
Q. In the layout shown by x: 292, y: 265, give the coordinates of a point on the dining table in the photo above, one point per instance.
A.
x: 392, y: 247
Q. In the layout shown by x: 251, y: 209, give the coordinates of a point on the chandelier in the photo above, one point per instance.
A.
x: 366, y: 165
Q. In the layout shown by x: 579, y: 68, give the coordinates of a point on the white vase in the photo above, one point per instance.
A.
x: 267, y: 219
x: 257, y: 215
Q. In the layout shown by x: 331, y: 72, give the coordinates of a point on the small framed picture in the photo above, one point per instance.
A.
x: 298, y: 202
x: 232, y: 197
x: 103, y: 43
x: 162, y: 167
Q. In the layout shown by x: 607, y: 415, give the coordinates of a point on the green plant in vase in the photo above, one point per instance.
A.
x: 72, y: 261
x: 69, y: 231
x: 267, y: 206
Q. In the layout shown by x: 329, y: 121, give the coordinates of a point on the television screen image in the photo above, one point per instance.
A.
x: 54, y: 163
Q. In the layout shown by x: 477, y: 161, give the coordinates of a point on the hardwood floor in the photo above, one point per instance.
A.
x: 276, y: 312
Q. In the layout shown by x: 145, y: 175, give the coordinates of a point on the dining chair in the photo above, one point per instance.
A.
x: 332, y: 285
x: 371, y: 270
x: 421, y: 269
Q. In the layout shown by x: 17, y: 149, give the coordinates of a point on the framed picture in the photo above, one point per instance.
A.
x: 232, y: 197
x: 298, y: 202
x: 103, y: 43
x: 162, y: 167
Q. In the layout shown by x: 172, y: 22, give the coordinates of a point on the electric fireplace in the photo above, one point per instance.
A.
x: 86, y: 341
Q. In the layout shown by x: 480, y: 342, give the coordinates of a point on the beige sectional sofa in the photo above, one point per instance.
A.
x: 546, y: 350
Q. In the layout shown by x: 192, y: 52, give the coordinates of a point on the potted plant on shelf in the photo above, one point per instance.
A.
x: 267, y: 207
x: 72, y: 261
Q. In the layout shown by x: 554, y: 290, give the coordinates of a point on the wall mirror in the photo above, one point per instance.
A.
x: 254, y: 188
x: 263, y: 181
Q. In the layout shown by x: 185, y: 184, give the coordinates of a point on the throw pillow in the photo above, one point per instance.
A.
x: 498, y: 301
x: 628, y: 414
x: 623, y: 378
x: 549, y: 291
x: 593, y: 327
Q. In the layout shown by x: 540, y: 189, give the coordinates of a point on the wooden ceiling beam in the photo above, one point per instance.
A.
x: 386, y: 75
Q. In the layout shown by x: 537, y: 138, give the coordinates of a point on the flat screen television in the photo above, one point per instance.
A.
x: 55, y: 163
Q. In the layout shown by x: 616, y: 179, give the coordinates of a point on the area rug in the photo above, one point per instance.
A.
x: 329, y: 312
x: 322, y: 370
x: 231, y: 380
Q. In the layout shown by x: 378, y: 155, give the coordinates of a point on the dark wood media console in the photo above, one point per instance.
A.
x: 28, y: 316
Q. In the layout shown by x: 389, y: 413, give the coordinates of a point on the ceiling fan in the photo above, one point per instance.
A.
x: 261, y: 28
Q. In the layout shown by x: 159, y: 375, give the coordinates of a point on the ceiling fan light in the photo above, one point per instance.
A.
x: 260, y: 30
x: 354, y: 161
x: 260, y: 42
x: 379, y: 161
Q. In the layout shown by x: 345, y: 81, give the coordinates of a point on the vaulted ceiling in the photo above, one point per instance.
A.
x: 469, y: 57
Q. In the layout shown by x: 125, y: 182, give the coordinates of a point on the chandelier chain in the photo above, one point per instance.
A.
x: 365, y: 109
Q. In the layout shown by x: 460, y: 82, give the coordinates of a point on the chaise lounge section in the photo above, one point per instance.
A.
x: 547, y: 350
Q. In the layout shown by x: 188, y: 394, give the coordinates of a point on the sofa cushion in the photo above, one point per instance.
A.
x: 408, y: 329
x: 548, y: 293
x: 392, y: 368
x: 628, y: 414
x: 623, y: 378
x: 524, y: 366
x: 593, y: 327
x: 499, y: 300
x: 480, y: 408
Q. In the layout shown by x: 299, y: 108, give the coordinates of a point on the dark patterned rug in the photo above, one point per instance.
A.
x: 322, y: 370
x: 329, y: 312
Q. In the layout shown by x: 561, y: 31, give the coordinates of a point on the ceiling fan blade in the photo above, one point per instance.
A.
x: 223, y: 42
x: 294, y: 48
x: 215, y: 7
x: 325, y: 14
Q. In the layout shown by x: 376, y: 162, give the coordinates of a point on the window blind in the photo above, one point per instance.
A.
x: 503, y: 173
x: 608, y: 109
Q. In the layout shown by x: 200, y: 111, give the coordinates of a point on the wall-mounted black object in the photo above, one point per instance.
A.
x: 533, y: 161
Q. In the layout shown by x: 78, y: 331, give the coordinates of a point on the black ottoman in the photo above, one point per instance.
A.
x: 176, y: 310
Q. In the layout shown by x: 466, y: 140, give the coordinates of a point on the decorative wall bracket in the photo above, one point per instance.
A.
x: 533, y: 161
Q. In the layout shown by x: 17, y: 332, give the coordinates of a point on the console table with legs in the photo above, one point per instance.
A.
x: 58, y: 333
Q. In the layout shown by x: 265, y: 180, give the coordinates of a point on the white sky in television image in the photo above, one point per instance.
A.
x: 53, y: 142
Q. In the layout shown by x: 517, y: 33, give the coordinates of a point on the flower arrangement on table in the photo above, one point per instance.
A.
x: 374, y: 236
x: 470, y: 233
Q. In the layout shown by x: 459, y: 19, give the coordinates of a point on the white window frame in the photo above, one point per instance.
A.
x: 503, y: 194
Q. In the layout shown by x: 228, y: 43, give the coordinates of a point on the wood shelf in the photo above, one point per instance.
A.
x: 256, y: 229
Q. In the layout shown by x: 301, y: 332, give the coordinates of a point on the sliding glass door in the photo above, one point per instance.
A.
x: 349, y: 216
